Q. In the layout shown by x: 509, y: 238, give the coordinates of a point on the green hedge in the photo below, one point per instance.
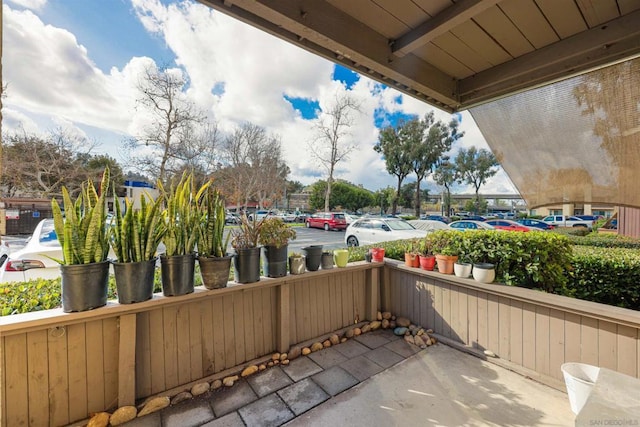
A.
x: 606, y: 275
x: 605, y: 241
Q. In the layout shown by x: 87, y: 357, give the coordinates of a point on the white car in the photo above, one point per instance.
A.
x: 367, y: 231
x: 4, y: 251
x: 32, y: 261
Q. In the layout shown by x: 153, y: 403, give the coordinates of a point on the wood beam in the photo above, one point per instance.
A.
x: 445, y: 21
x: 320, y: 28
x: 616, y: 40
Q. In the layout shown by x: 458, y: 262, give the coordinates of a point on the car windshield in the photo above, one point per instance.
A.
x: 338, y: 216
x: 400, y: 225
x: 48, y: 235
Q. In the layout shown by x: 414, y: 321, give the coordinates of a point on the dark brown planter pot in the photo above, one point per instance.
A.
x: 215, y: 271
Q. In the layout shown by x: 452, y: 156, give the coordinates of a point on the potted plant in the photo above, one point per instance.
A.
x: 274, y: 238
x: 182, y: 218
x: 134, y: 237
x: 427, y: 259
x: 313, y: 256
x: 326, y: 260
x: 462, y: 268
x: 214, y: 262
x: 297, y: 263
x: 83, y: 236
x: 411, y: 256
x: 446, y: 249
x: 377, y: 254
x: 246, y: 261
x: 484, y: 272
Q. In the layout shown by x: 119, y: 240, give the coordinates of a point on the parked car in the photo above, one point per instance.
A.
x: 468, y: 224
x: 429, y: 224
x: 4, y: 251
x: 367, y: 231
x: 286, y: 216
x: 440, y: 218
x: 32, y: 261
x: 590, y: 217
x: 507, y: 225
x: 567, y: 221
x: 328, y: 221
x: 231, y: 218
x: 529, y: 222
x: 472, y: 217
x: 259, y: 214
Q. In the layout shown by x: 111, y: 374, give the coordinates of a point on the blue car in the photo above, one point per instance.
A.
x: 535, y: 223
x: 436, y: 218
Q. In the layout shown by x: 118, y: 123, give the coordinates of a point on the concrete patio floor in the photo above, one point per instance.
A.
x: 376, y: 379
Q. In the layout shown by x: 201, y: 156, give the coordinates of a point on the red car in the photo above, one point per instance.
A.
x: 328, y: 221
x: 507, y: 225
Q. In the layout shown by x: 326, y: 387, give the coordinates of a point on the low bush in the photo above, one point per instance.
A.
x: 601, y: 240
x: 605, y: 275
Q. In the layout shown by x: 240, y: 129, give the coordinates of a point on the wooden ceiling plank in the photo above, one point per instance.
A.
x: 440, y: 24
x: 372, y: 15
x: 443, y: 61
x: 405, y: 11
x: 564, y: 17
x: 503, y: 31
x: 450, y: 43
x: 433, y: 7
x: 320, y: 28
x: 618, y: 40
x: 597, y: 12
x: 526, y: 16
x: 628, y: 6
x: 478, y: 40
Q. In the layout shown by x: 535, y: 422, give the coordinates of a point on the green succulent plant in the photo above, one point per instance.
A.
x: 136, y: 234
x: 274, y: 232
x: 211, y: 241
x: 82, y: 230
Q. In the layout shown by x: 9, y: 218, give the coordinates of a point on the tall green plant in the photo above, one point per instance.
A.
x: 82, y: 230
x: 248, y: 234
x: 182, y: 215
x: 211, y: 240
x: 136, y: 234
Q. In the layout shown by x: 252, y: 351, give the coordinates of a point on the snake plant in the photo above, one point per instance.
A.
x: 182, y: 215
x: 136, y: 233
x: 82, y: 230
x: 211, y: 240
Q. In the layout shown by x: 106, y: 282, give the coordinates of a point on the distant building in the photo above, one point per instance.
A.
x: 136, y: 188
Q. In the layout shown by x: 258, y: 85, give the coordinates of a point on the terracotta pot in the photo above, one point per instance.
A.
x: 445, y: 263
x: 411, y: 260
x: 377, y: 254
x: 427, y: 262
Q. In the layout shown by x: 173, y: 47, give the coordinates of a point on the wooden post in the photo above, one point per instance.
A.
x: 127, y: 361
x: 372, y: 293
x: 283, y: 335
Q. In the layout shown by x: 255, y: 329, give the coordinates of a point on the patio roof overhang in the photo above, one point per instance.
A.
x: 453, y: 54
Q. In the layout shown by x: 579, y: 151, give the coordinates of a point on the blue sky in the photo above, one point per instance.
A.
x: 74, y: 64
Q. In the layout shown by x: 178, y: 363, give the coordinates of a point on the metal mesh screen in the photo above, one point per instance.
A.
x: 576, y: 140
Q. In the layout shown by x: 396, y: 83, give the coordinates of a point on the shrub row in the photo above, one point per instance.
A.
x: 605, y: 241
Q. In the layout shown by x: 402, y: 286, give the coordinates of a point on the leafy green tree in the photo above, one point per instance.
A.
x: 475, y: 167
x: 477, y: 205
x: 428, y: 141
x: 392, y: 144
x: 445, y: 175
x: 345, y: 195
x: 408, y: 193
x: 384, y: 198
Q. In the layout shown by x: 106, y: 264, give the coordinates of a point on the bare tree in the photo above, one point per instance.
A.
x: 173, y: 120
x: 331, y: 129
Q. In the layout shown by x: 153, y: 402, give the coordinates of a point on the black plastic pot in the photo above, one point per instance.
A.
x: 177, y: 274
x: 134, y: 280
x: 326, y: 260
x: 84, y: 286
x: 275, y: 261
x: 246, y: 265
x: 313, y: 256
x: 215, y: 271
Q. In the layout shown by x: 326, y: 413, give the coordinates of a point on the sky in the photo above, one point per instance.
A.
x: 75, y: 64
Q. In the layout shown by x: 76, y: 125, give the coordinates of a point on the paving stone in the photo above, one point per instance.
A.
x: 351, y: 348
x: 387, y: 333
x: 151, y: 420
x: 230, y: 399
x: 335, y: 380
x: 301, y: 368
x: 303, y: 395
x: 190, y: 413
x: 230, y: 420
x: 403, y: 348
x: 268, y: 381
x: 372, y: 340
x: 328, y: 357
x: 384, y: 357
x: 361, y: 367
x: 268, y: 411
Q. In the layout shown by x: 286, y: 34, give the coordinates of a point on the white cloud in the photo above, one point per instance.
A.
x: 30, y: 4
x: 14, y: 121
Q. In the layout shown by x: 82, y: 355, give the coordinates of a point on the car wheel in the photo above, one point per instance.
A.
x: 308, y: 224
x: 326, y: 227
x: 352, y: 241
